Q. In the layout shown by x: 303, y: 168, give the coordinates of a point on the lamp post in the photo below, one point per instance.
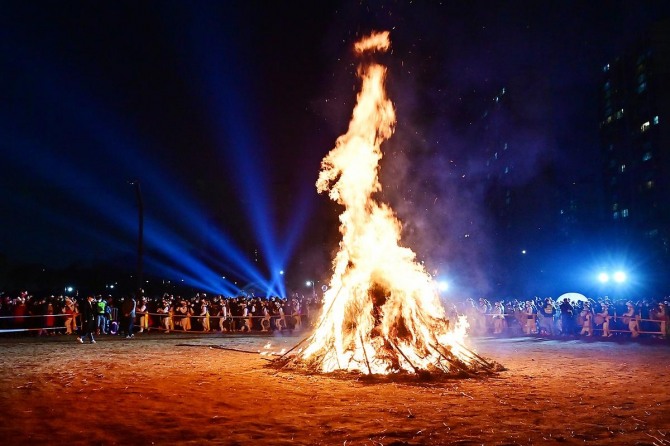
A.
x: 140, y: 232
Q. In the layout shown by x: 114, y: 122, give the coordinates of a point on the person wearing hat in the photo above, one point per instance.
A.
x: 530, y: 314
x: 630, y: 318
x: 587, y: 320
x: 605, y: 316
x: 662, y: 317
x: 498, y: 318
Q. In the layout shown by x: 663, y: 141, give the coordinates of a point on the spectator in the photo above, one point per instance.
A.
x: 141, y: 309
x: 165, y: 320
x: 100, y: 307
x: 604, y: 317
x: 630, y: 319
x: 586, y: 318
x: 546, y: 315
x: 128, y: 311
x: 661, y: 315
x: 70, y: 311
x: 88, y: 316
x: 530, y: 312
x: 567, y: 315
x: 498, y: 318
x: 204, y: 315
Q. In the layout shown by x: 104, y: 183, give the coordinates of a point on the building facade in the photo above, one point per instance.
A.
x: 635, y: 141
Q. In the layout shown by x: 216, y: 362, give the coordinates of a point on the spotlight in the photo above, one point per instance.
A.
x: 603, y: 277
x: 619, y: 276
x: 443, y: 285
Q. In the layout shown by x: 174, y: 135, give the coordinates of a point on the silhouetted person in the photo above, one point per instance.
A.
x: 88, y: 312
x: 567, y: 313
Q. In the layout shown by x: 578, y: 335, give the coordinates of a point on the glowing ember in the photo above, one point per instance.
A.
x: 381, y: 313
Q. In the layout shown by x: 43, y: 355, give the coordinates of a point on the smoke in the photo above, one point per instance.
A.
x: 444, y: 75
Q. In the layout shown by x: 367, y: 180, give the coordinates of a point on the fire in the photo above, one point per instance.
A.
x: 382, y: 313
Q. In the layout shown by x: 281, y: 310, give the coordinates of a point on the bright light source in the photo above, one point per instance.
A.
x: 443, y: 285
x: 523, y: 251
x: 604, y: 277
x: 619, y: 276
x: 69, y: 289
x: 308, y: 283
x: 281, y: 273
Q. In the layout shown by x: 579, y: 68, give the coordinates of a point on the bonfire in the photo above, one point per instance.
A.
x: 382, y: 313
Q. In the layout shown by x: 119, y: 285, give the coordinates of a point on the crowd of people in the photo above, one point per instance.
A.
x: 603, y: 317
x: 126, y: 315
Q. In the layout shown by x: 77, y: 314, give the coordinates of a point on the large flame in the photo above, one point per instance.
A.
x: 382, y: 313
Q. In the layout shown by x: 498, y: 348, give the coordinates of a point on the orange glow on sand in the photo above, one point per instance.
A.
x: 382, y: 312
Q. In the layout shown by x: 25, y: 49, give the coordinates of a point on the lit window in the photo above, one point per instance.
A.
x: 615, y: 206
x: 619, y: 114
x: 615, y: 215
x: 609, y: 119
x: 622, y: 168
x: 649, y: 184
x: 642, y: 87
x: 644, y: 127
x: 646, y: 156
x: 624, y: 213
x: 655, y: 120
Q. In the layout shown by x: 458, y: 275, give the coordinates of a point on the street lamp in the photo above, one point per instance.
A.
x: 311, y: 283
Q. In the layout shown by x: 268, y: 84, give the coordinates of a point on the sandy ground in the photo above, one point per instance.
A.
x: 178, y: 389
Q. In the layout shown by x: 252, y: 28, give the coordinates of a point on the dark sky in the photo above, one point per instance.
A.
x: 223, y: 111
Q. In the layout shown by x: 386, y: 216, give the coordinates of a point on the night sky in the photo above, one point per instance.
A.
x: 223, y: 111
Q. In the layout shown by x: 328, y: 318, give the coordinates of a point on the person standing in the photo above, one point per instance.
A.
x: 567, y: 314
x: 88, y: 312
x: 631, y: 319
x: 128, y: 310
x: 586, y: 316
x: 100, y: 307
x: 605, y: 316
x: 70, y: 312
x: 141, y: 309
